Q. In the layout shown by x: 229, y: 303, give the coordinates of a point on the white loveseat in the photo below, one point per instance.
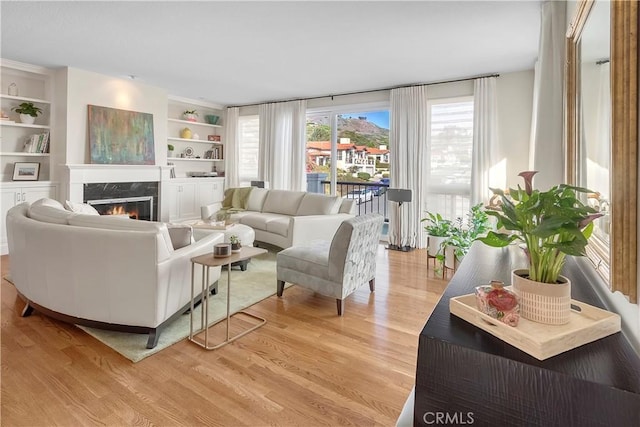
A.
x: 288, y: 218
x: 101, y: 271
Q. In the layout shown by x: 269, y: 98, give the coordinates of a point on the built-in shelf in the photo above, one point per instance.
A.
x: 187, y: 122
x: 22, y: 154
x: 191, y: 159
x: 22, y: 125
x: 22, y: 98
x: 38, y: 183
x: 201, y: 146
x: 194, y: 140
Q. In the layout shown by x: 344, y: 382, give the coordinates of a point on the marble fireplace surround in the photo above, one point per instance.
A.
x: 80, y: 174
x: 137, y: 199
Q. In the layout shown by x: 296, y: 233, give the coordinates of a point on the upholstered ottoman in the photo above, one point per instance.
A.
x: 244, y: 233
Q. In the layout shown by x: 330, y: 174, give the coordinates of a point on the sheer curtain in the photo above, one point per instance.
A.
x: 282, y: 145
x: 408, y: 163
x: 485, y: 139
x: 546, y: 145
x: 231, y: 148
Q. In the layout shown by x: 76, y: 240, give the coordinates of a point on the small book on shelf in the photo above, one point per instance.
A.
x: 37, y: 143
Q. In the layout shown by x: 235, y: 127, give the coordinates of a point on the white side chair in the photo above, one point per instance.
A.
x: 338, y: 267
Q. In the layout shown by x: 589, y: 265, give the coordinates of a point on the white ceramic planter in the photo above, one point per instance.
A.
x: 434, y: 243
x: 450, y: 259
x: 27, y: 119
x: 548, y: 303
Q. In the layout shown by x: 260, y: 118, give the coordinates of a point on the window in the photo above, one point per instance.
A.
x: 451, y: 146
x: 248, y: 144
x: 349, y: 147
x: 360, y: 140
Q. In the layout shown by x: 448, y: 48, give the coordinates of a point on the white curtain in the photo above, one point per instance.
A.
x: 547, y: 145
x: 485, y: 139
x: 408, y: 162
x: 231, y: 148
x: 599, y: 152
x: 282, y: 145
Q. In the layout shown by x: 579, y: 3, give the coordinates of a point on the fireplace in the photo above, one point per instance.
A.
x: 138, y: 200
x: 133, y: 207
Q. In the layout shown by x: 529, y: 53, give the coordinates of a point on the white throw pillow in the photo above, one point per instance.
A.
x: 82, y: 208
x: 50, y: 214
x: 283, y: 202
x: 319, y: 204
x: 48, y: 202
x: 256, y: 199
x: 181, y: 235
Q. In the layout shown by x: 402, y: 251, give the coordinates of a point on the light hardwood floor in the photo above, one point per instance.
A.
x: 305, y: 367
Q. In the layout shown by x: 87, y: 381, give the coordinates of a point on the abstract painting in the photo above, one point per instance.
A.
x: 120, y: 137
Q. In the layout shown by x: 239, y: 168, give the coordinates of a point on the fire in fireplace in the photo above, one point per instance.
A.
x: 134, y: 207
x: 135, y: 199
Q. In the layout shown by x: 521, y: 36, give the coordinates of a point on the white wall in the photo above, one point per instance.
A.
x: 75, y: 89
x: 515, y: 101
x: 515, y: 105
x: 87, y: 88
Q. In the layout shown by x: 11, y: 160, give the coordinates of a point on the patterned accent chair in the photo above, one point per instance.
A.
x: 338, y: 267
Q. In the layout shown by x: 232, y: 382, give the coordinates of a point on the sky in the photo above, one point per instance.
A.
x: 381, y: 118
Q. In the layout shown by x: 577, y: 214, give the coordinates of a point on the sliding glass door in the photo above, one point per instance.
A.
x: 348, y: 154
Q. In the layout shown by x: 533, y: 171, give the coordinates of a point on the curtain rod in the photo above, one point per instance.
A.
x: 367, y: 91
x: 602, y: 61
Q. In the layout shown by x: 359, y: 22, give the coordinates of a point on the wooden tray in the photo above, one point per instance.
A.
x: 587, y: 324
x: 207, y: 226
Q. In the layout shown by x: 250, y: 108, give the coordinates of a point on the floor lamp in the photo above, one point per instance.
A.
x: 399, y: 196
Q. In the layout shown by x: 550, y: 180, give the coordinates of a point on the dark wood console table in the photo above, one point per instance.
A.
x: 470, y: 376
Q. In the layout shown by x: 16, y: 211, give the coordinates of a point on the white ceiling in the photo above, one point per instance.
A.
x: 248, y: 52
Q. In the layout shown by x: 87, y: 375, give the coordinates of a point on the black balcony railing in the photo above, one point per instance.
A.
x: 372, y: 197
x: 368, y: 196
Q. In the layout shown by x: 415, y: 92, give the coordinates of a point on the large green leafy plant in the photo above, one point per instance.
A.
x: 551, y: 224
x: 436, y: 225
x: 27, y: 108
x: 464, y: 233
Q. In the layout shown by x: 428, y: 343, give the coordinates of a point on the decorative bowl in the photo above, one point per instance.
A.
x: 222, y: 250
x: 212, y: 119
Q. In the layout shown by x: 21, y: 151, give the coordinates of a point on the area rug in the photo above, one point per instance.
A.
x: 247, y: 288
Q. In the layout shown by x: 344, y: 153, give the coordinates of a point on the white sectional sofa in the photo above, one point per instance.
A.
x: 101, y: 271
x: 288, y: 218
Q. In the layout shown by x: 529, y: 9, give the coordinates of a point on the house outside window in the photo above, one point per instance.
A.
x: 356, y: 137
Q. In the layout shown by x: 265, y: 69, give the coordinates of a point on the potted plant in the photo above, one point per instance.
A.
x: 236, y: 244
x: 170, y: 149
x: 28, y: 112
x: 463, y: 234
x: 551, y: 225
x: 190, y: 115
x: 438, y: 229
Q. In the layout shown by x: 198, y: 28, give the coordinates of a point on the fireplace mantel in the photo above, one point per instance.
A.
x: 79, y: 174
